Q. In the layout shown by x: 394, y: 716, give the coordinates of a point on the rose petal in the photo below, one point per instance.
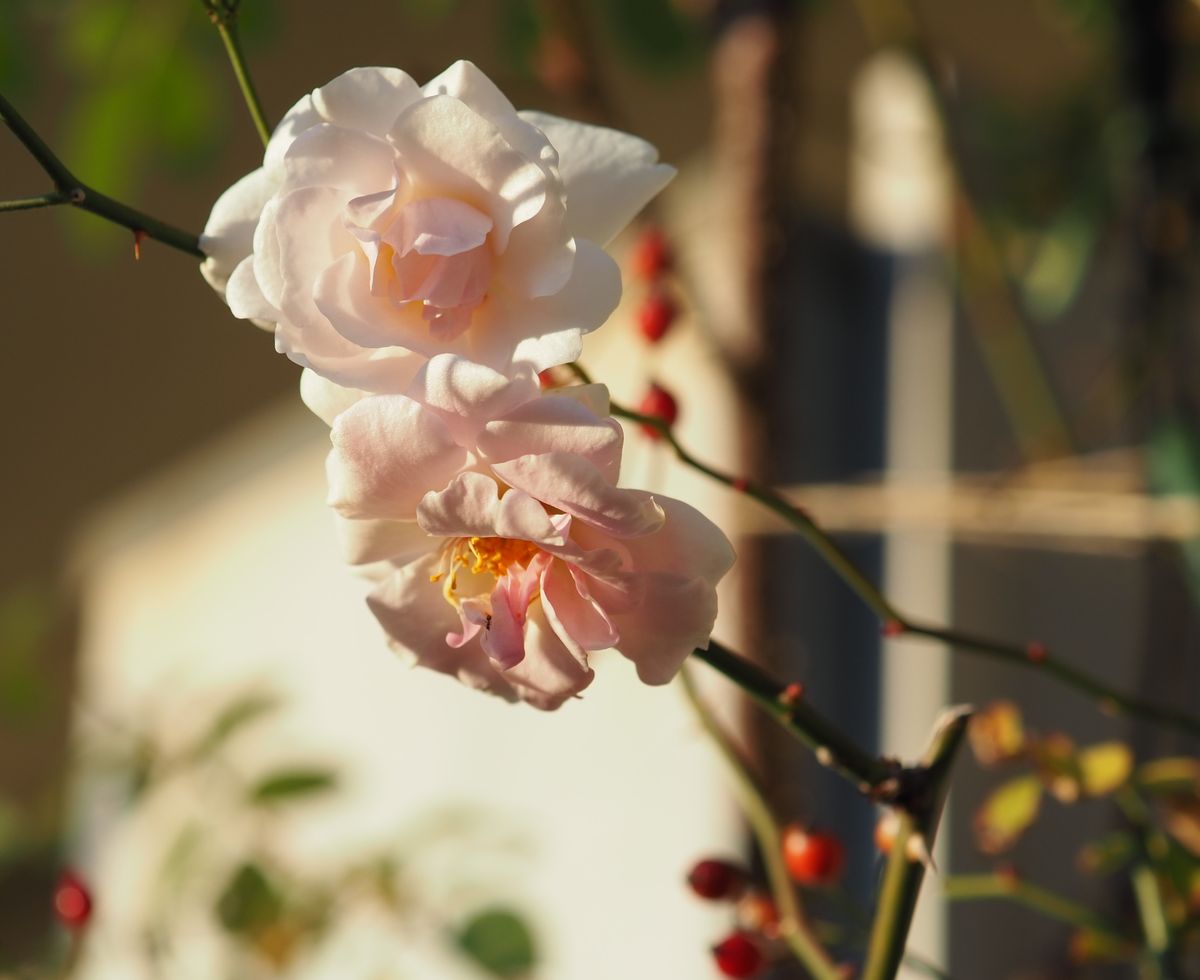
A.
x: 578, y: 620
x: 675, y: 617
x: 449, y: 150
x: 688, y: 544
x: 468, y: 395
x: 554, y: 423
x: 389, y: 451
x: 366, y: 99
x: 303, y: 115
x: 550, y: 673
x: 609, y: 175
x: 356, y: 163
x: 325, y: 399
x: 576, y: 486
x: 229, y: 233
x: 246, y: 300
x: 364, y: 542
x: 416, y: 619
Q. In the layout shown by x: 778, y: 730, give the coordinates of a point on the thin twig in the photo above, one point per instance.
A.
x: 29, y: 203
x: 1034, y: 656
x: 223, y: 14
x: 792, y: 926
x: 71, y: 190
x: 960, y: 888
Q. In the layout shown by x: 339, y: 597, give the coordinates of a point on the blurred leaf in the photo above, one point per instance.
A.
x: 1058, y: 766
x: 1107, y: 854
x: 500, y: 942
x: 26, y: 619
x: 89, y: 35
x: 1169, y: 775
x: 1060, y: 259
x: 180, y: 862
x: 1181, y: 817
x: 520, y: 33
x: 290, y: 784
x: 1087, y: 946
x: 186, y: 108
x: 250, y: 902
x: 997, y: 734
x: 1105, y: 767
x: 237, y: 715
x: 652, y: 33
x: 1007, y: 813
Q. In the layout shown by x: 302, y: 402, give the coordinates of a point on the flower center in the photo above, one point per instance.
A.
x: 480, y: 556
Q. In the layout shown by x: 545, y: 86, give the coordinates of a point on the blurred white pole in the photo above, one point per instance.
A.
x: 900, y: 202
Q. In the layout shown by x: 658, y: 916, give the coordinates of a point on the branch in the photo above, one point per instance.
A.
x: 69, y: 189
x: 223, y: 14
x: 959, y: 888
x: 1032, y: 655
x: 902, y: 879
x: 785, y: 703
x: 792, y: 926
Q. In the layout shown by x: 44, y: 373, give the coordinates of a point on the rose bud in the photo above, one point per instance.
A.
x: 72, y: 901
x: 716, y: 880
x: 655, y: 315
x: 738, y: 955
x: 651, y: 255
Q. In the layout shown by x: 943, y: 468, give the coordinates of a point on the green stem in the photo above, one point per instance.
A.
x: 963, y: 888
x: 69, y: 189
x: 902, y: 879
x: 29, y: 203
x: 1031, y: 656
x: 1152, y: 913
x: 792, y: 926
x: 833, y: 747
x: 224, y: 18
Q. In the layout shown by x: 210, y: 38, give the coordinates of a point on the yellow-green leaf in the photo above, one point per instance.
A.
x: 1105, y: 767
x: 1174, y: 774
x: 1007, y: 813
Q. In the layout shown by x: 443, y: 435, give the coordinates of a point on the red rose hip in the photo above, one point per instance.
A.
x: 651, y: 255
x: 655, y: 316
x: 738, y: 955
x: 812, y: 857
x: 72, y: 901
x: 658, y: 403
x: 715, y: 880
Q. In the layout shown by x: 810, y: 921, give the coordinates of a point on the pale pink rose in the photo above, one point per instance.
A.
x: 390, y: 222
x: 503, y: 551
x: 518, y: 582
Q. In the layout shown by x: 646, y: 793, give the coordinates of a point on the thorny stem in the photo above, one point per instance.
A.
x: 223, y: 14
x: 786, y: 704
x: 960, y: 888
x: 793, y: 928
x: 69, y: 189
x: 904, y: 873
x: 1034, y: 656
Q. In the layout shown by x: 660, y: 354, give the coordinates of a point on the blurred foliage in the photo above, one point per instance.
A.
x: 27, y: 616
x: 225, y: 861
x: 498, y: 940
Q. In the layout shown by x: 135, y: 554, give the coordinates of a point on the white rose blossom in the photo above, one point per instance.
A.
x: 390, y: 222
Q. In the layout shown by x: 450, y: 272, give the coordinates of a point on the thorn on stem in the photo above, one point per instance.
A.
x: 740, y: 484
x: 76, y: 195
x: 892, y: 627
x: 138, y: 237
x: 825, y: 756
x: 1036, y: 653
x: 791, y: 694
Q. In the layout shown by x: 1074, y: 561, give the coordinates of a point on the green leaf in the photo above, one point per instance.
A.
x: 1105, y: 767
x: 499, y: 941
x: 1107, y: 854
x: 1173, y: 774
x: 287, y: 785
x: 249, y: 902
x: 1007, y: 813
x: 237, y: 715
